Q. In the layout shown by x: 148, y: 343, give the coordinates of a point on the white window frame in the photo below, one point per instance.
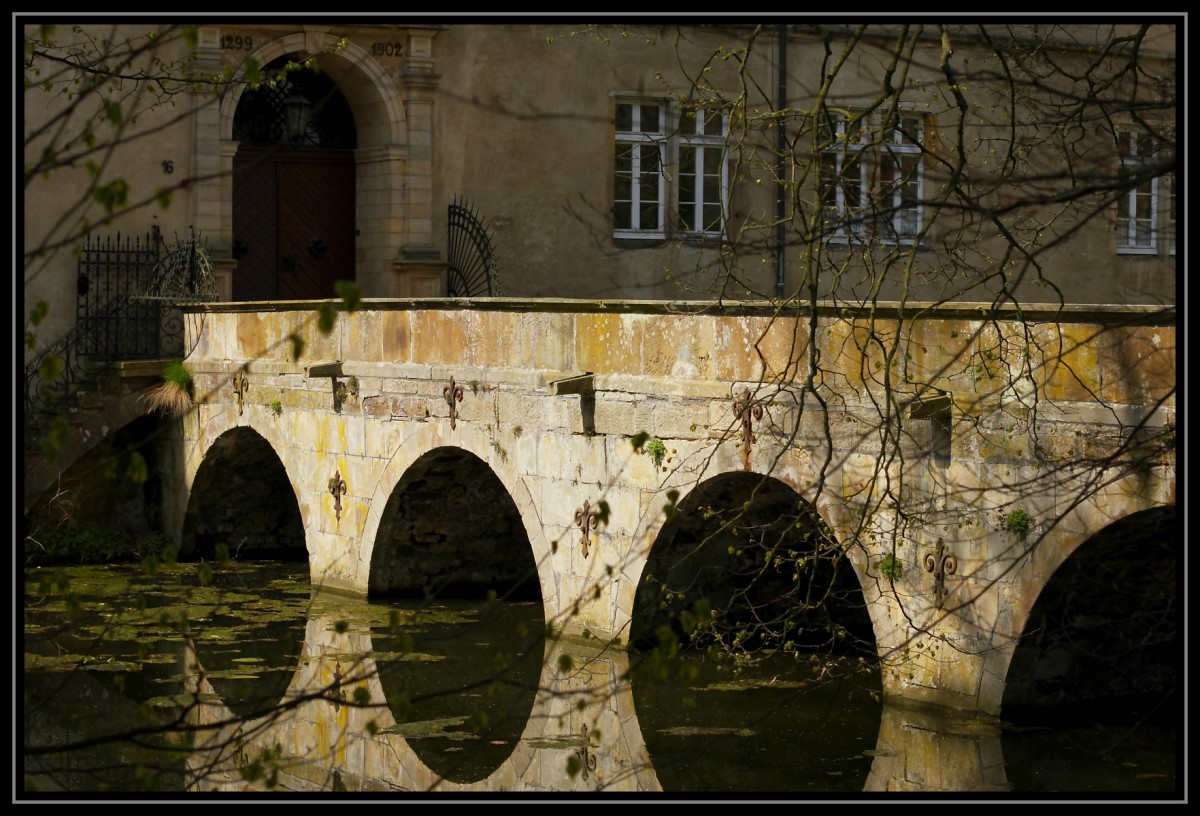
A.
x: 1138, y: 207
x: 640, y: 143
x: 860, y: 155
x: 703, y: 157
x: 690, y: 146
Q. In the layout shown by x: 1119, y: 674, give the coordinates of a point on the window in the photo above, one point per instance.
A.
x: 1145, y: 197
x: 671, y: 175
x: 872, y: 177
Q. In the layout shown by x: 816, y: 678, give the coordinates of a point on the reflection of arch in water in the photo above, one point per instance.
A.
x: 451, y: 529
x: 754, y: 551
x: 242, y: 497
x: 467, y: 697
x: 921, y: 750
x: 1105, y: 627
x: 340, y: 732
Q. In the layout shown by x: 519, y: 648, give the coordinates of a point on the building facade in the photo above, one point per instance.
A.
x: 684, y: 162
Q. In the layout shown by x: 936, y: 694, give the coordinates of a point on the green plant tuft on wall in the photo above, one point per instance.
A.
x: 276, y: 407
x: 656, y: 450
x: 1017, y: 521
x: 890, y: 567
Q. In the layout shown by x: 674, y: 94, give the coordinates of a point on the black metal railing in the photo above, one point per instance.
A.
x: 473, y: 269
x: 127, y: 308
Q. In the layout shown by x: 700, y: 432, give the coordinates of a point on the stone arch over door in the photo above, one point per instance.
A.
x: 392, y: 191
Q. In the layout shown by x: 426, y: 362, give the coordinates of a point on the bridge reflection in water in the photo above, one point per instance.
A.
x: 287, y: 690
x: 366, y: 711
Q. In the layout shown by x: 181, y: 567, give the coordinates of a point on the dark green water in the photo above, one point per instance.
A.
x: 468, y: 686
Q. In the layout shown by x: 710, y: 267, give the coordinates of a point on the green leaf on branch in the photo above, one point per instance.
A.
x: 326, y: 317
x: 111, y: 196
x: 349, y: 292
x: 38, y: 313
x: 297, y: 345
x: 51, y: 368
x: 137, y: 471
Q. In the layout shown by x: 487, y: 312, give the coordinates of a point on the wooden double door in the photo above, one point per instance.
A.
x: 293, y: 223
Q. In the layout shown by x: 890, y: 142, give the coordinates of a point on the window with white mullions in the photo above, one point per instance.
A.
x: 872, y: 177
x: 843, y: 176
x: 671, y: 173
x: 901, y: 178
x: 638, y: 197
x: 1137, y: 208
x: 703, y: 171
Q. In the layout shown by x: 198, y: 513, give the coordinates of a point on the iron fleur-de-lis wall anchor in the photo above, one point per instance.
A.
x: 240, y: 387
x: 941, y: 564
x: 337, y: 487
x: 587, y: 760
x: 747, y: 409
x: 453, y: 393
x: 586, y: 520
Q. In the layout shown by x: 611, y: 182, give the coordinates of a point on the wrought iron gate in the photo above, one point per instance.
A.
x: 473, y: 270
x: 127, y: 308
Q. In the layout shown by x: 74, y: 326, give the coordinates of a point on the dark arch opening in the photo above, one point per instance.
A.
x: 304, y: 109
x: 1103, y: 636
x: 744, y: 561
x: 242, y: 503
x: 1092, y: 700
x: 450, y: 530
x: 108, y: 505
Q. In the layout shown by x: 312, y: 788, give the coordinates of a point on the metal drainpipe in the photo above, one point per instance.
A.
x: 781, y: 138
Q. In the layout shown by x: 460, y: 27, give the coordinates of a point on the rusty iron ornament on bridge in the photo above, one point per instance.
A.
x: 585, y: 520
x: 747, y: 409
x: 453, y: 393
x: 586, y: 759
x: 240, y: 387
x: 942, y: 564
x: 337, y: 487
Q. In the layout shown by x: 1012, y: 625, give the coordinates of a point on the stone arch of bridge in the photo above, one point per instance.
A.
x: 1111, y: 505
x: 795, y: 469
x: 429, y: 436
x: 718, y: 545
x: 1105, y: 623
x: 450, y: 529
x: 212, y: 427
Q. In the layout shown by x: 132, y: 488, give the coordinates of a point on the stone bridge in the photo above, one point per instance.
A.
x: 416, y: 442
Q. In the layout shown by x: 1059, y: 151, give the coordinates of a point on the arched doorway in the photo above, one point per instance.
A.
x: 293, y: 188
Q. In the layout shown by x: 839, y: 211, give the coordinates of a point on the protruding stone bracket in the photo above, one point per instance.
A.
x: 941, y: 564
x: 333, y: 369
x: 575, y: 384
x: 932, y: 407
